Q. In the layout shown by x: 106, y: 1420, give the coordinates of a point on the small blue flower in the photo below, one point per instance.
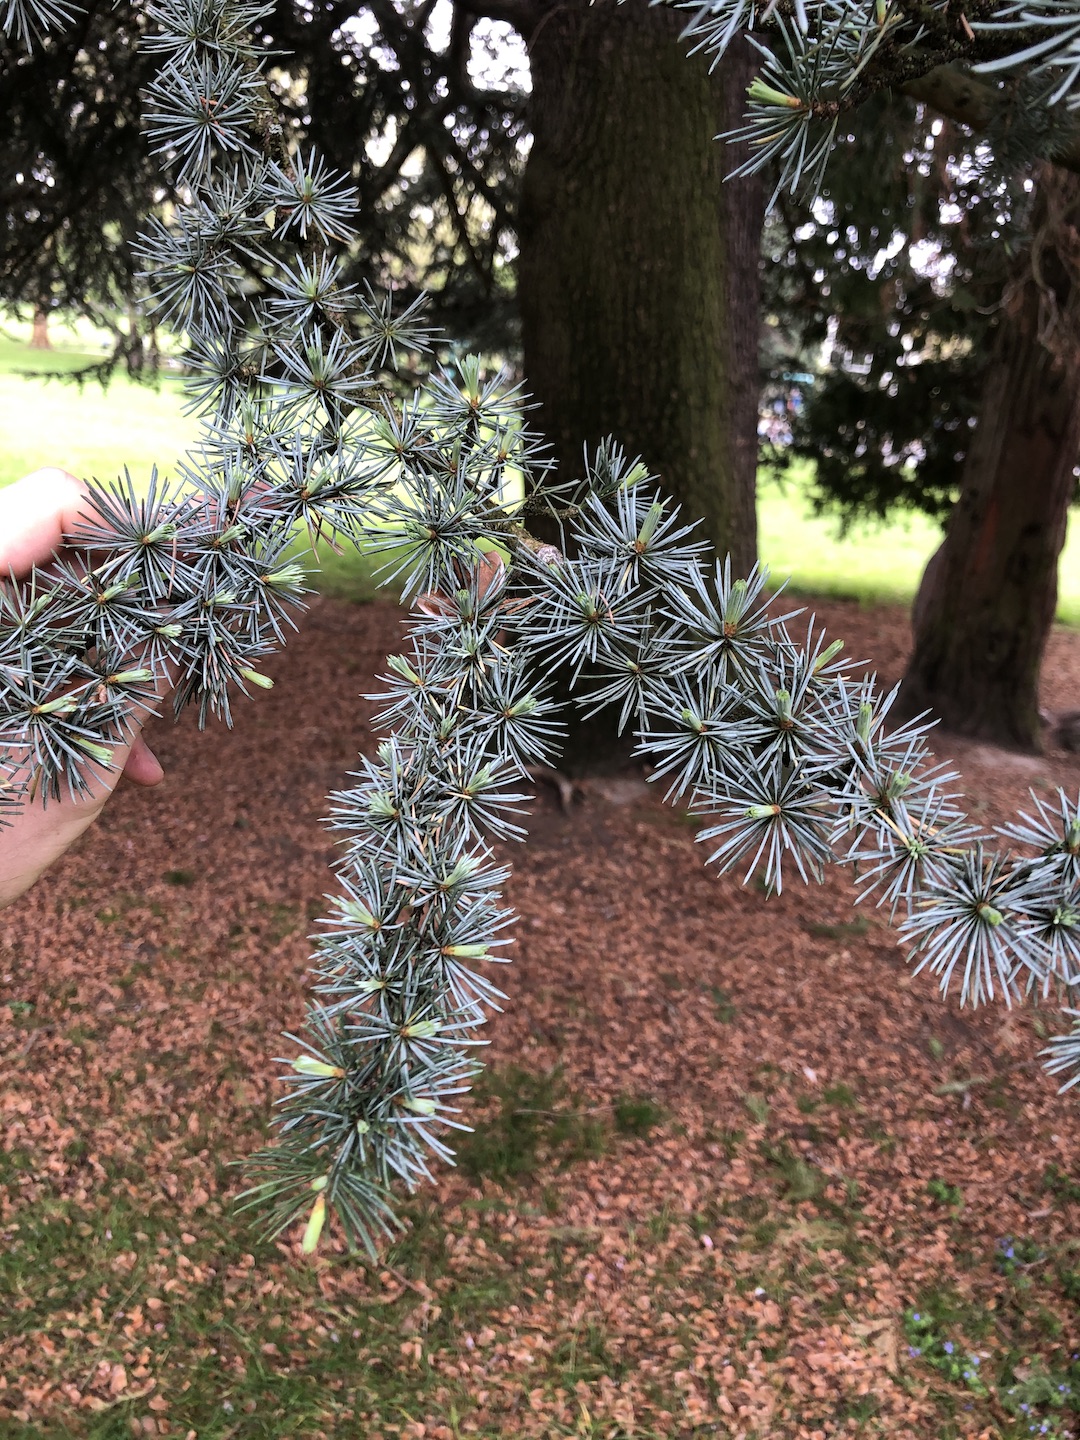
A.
x: 948, y: 1347
x: 974, y: 1360
x: 911, y: 1350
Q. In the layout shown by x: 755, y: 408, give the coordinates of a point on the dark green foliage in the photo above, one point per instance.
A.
x: 78, y: 175
x: 76, y: 179
x: 888, y: 286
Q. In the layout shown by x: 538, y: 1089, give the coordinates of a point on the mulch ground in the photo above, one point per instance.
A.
x: 741, y: 1269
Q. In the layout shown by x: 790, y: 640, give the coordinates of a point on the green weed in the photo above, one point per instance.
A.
x: 800, y: 1180
x: 179, y: 877
x: 636, y: 1115
x: 758, y: 1107
x: 929, y: 1340
x: 1057, y: 1183
x: 944, y: 1193
x: 840, y: 1096
x: 842, y: 930
x: 536, y: 1119
x: 725, y: 1010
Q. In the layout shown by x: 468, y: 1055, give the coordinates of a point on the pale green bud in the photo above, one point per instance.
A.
x: 317, y: 1069
x: 420, y: 1105
x: 314, y: 1229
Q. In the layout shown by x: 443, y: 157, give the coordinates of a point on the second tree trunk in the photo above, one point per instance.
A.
x: 987, y: 601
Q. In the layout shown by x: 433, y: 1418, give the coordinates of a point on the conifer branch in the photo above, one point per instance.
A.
x: 791, y: 763
x: 961, y: 96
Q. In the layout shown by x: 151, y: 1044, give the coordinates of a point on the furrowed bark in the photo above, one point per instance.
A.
x: 638, y: 269
x: 638, y: 265
x: 987, y: 601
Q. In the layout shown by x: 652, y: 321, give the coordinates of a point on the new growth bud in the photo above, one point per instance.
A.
x: 420, y: 1105
x: 314, y: 1228
x: 764, y: 94
x: 255, y: 677
x: 317, y: 1069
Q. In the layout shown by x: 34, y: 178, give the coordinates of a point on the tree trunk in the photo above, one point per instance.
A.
x: 39, y: 337
x: 136, y: 351
x: 638, y: 268
x: 984, y: 610
x: 638, y: 271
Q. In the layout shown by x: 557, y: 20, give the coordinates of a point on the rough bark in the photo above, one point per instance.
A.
x: 987, y: 601
x: 638, y: 268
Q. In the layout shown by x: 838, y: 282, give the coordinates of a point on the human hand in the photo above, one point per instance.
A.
x: 35, y: 515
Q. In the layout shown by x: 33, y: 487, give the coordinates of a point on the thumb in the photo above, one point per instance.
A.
x: 142, y: 766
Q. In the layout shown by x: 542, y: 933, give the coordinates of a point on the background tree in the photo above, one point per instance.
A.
x: 639, y: 267
x: 914, y: 273
x: 887, y: 285
x: 76, y: 174
x: 624, y: 253
x: 988, y: 598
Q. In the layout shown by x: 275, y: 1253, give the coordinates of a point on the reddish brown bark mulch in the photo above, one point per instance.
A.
x: 748, y: 1263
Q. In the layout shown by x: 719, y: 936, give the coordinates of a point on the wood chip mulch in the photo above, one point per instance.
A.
x: 743, y: 1269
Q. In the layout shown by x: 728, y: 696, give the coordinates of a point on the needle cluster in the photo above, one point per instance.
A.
x: 821, y: 59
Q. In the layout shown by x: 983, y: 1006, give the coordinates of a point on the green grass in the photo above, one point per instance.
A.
x: 873, y: 563
x: 231, y: 1363
x: 84, y: 429
x: 536, y: 1119
x: 95, y: 433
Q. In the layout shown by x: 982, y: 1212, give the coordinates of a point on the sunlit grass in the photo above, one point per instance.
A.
x: 82, y: 428
x: 874, y: 562
x: 871, y: 563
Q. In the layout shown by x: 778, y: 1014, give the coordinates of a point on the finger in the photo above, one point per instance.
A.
x: 492, y: 573
x: 35, y: 514
x: 142, y: 765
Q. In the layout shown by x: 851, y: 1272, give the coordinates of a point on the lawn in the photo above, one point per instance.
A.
x: 95, y: 433
x: 81, y: 427
x: 873, y: 562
